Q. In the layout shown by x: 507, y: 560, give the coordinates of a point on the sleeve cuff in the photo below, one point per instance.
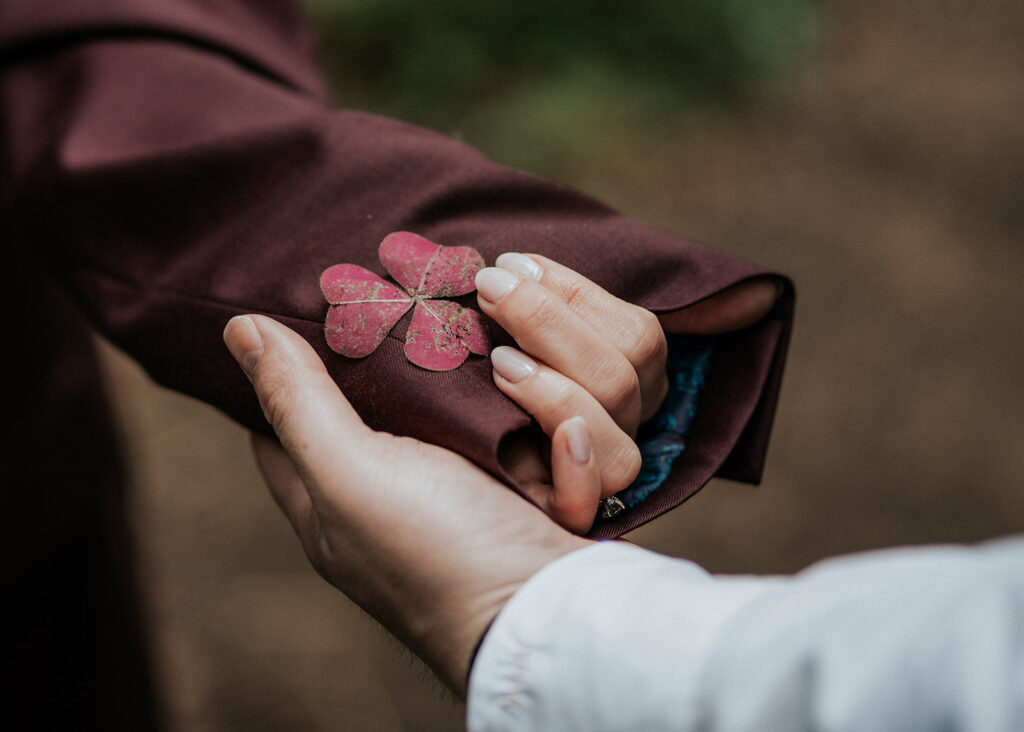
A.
x: 593, y: 641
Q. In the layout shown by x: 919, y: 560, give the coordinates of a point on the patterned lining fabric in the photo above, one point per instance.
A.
x: 662, y: 438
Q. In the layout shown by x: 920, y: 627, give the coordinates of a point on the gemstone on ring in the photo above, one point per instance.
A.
x: 611, y: 507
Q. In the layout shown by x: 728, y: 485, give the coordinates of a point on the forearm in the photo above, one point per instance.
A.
x: 177, y: 167
x: 617, y: 638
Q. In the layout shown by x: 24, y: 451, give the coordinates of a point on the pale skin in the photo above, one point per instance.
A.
x: 590, y: 355
x: 421, y: 538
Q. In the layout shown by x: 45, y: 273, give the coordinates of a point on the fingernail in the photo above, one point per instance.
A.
x: 512, y: 365
x: 578, y: 437
x: 245, y: 342
x: 520, y: 264
x: 494, y: 283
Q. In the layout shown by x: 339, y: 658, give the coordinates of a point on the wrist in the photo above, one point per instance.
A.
x: 448, y: 636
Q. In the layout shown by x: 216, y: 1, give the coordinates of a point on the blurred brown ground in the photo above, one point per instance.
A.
x: 885, y: 174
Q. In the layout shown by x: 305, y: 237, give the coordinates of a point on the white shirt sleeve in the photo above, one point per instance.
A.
x: 614, y: 637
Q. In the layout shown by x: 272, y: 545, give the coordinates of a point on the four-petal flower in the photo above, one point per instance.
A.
x: 365, y: 307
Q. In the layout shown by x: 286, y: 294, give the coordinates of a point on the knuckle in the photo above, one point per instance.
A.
x: 276, y: 399
x: 653, y: 397
x: 560, y: 399
x: 647, y: 342
x: 536, y: 311
x: 546, y: 395
x: 623, y: 469
x: 573, y: 293
x: 620, y: 391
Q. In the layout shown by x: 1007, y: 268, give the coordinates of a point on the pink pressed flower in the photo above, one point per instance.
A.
x: 364, y: 307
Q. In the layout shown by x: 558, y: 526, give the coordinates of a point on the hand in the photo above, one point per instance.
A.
x: 591, y: 357
x: 419, y: 537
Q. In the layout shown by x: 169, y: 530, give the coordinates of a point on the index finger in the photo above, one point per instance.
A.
x: 631, y: 330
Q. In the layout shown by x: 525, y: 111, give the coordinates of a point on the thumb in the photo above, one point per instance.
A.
x: 316, y: 425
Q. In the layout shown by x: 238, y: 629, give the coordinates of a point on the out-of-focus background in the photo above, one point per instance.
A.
x: 873, y: 150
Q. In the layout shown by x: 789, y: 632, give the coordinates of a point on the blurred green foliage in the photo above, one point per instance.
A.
x: 539, y: 69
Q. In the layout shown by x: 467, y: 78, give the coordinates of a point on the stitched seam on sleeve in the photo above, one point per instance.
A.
x: 129, y: 284
x: 126, y: 283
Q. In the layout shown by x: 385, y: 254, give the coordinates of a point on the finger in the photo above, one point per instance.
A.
x: 733, y: 308
x: 574, y: 497
x: 632, y: 330
x: 552, y: 398
x: 285, y: 486
x: 316, y: 425
x: 545, y: 327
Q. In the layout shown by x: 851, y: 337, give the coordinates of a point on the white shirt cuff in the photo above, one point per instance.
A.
x: 578, y: 645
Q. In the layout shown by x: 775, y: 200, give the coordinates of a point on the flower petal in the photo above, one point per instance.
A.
x: 406, y: 257
x: 433, y: 340
x: 452, y: 272
x: 425, y: 268
x: 350, y: 283
x: 471, y: 332
x: 356, y: 329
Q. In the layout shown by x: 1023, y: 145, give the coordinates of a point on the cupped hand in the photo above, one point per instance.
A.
x: 588, y: 356
x: 422, y: 539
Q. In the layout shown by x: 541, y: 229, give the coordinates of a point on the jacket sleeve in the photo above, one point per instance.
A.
x: 613, y: 637
x: 177, y: 162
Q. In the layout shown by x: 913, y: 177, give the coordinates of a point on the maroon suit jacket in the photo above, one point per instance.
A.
x: 178, y: 162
